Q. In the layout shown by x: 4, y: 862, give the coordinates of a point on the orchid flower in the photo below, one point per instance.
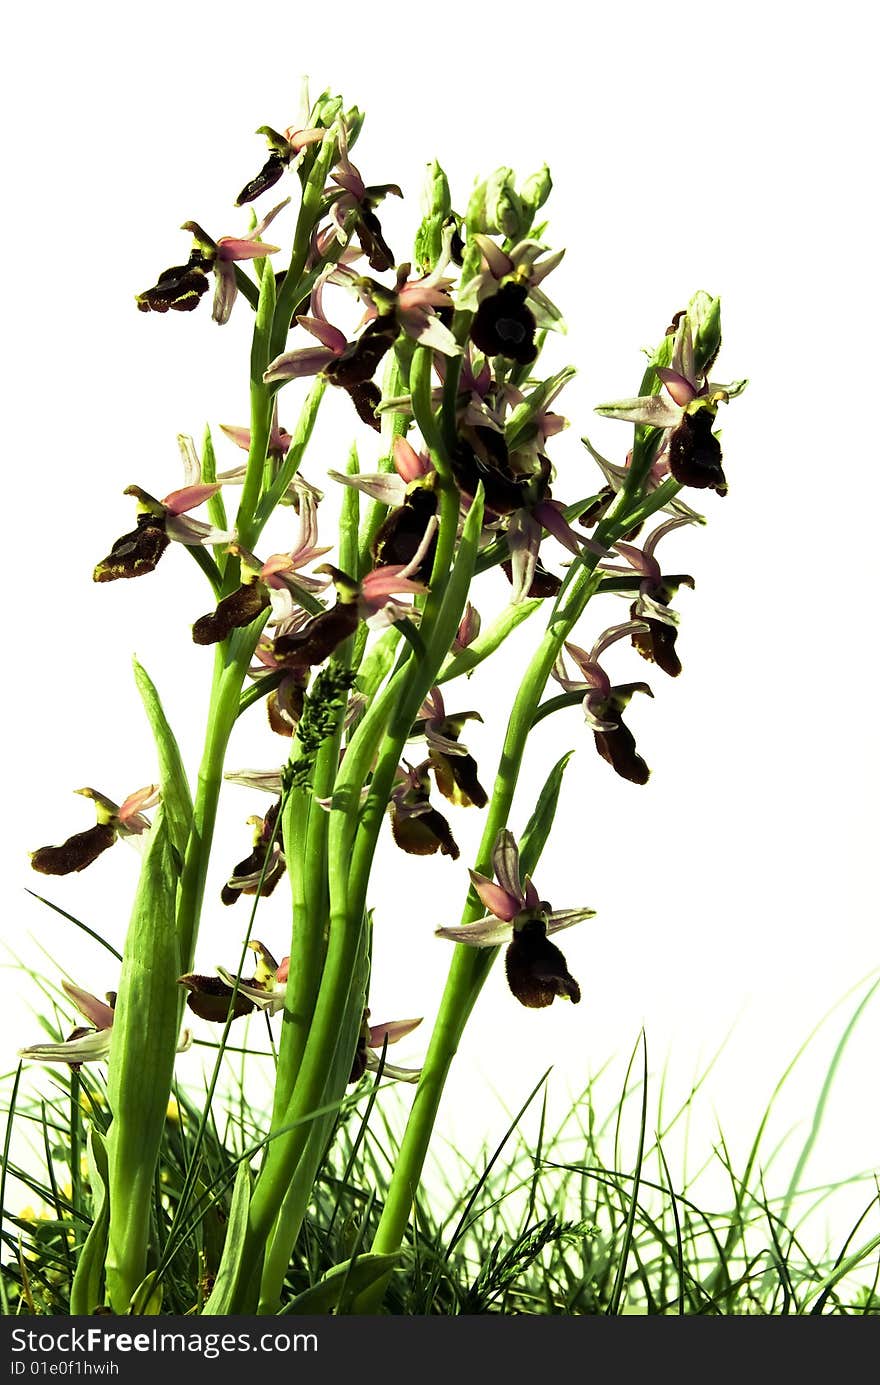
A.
x: 209, y: 996
x: 510, y: 305
x: 260, y: 871
x: 86, y: 1044
x: 372, y: 1039
x: 455, y: 769
x: 372, y: 600
x: 413, y: 304
x: 277, y: 582
x: 114, y: 821
x: 350, y: 365
x: 285, y: 151
x: 536, y: 970
x: 354, y: 200
x: 161, y: 521
x: 604, y: 703
x: 525, y: 532
x: 657, y: 642
x: 391, y: 488
x: 685, y: 409
x: 181, y: 286
x: 416, y: 825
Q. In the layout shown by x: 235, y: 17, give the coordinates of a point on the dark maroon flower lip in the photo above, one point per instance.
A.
x: 114, y: 820
x: 270, y: 173
x: 178, y: 289
x: 695, y: 453
x: 403, y: 531
x: 76, y: 853
x: 536, y: 970
x: 135, y: 553
x: 237, y: 610
x: 504, y: 325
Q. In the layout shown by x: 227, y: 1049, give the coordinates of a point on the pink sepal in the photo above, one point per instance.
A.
x: 497, y: 900
x: 682, y: 390
x: 96, y: 1011
x: 327, y: 334
x: 228, y: 248
x: 392, y: 1030
x: 189, y: 497
x: 408, y: 463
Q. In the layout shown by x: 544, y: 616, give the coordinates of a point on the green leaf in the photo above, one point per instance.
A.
x: 87, y: 1289
x: 260, y: 346
x: 290, y: 466
x: 352, y: 1276
x: 176, y: 797
x: 221, y: 1297
x: 145, y: 1036
x: 146, y: 1300
x: 534, y: 838
x: 487, y: 641
x: 215, y: 506
x: 349, y: 518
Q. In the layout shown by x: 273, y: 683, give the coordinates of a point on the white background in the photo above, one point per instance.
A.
x: 725, y: 148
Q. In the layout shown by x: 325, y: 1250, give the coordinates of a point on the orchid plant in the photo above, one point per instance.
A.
x: 352, y: 644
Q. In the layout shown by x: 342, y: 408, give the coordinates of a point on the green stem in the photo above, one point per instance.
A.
x: 470, y: 966
x: 230, y: 667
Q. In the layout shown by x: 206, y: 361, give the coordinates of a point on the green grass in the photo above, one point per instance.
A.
x: 599, y: 1213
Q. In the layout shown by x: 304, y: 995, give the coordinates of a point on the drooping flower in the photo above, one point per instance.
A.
x: 261, y: 870
x: 350, y: 365
x: 160, y: 522
x: 86, y: 1044
x: 209, y: 996
x: 455, y: 769
x: 372, y: 1041
x: 685, y: 409
x: 263, y: 581
x: 418, y: 828
x: 114, y: 821
x: 536, y: 970
x: 285, y: 151
x: 604, y: 704
x: 181, y: 287
x: 356, y: 203
x: 651, y: 607
x: 372, y: 600
x: 510, y: 305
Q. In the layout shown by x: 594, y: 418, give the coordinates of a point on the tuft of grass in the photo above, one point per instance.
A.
x: 584, y: 1218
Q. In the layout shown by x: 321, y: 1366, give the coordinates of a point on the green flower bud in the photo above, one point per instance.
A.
x: 704, y: 312
x: 325, y: 109
x: 533, y: 194
x: 504, y: 208
x: 437, y: 207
